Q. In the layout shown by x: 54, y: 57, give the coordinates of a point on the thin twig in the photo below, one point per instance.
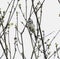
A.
x: 22, y: 47
x: 9, y: 43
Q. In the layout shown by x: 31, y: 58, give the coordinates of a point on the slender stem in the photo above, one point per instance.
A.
x: 15, y: 44
x: 2, y: 47
x: 9, y: 43
x: 40, y: 15
x: 17, y: 27
x: 14, y: 54
x: 22, y: 47
x: 22, y: 13
x: 33, y: 52
x: 26, y: 8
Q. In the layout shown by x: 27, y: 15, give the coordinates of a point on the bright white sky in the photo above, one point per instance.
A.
x: 50, y: 22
